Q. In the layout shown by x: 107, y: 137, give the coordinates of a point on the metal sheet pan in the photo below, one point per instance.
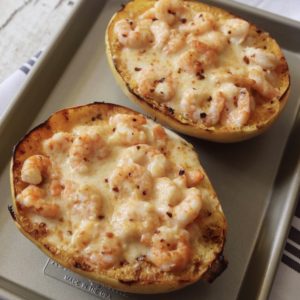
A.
x: 257, y: 180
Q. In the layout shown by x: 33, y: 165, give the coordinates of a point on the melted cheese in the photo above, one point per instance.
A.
x: 219, y: 48
x: 110, y: 210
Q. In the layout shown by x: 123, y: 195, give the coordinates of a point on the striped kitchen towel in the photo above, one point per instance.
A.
x: 11, y: 86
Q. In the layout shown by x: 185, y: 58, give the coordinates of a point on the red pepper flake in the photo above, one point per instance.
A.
x: 169, y: 214
x: 106, y: 180
x: 115, y: 189
x: 200, y: 75
x: 246, y: 60
x: 144, y: 193
x: 137, y: 69
x: 109, y: 235
x: 183, y: 20
x: 203, y: 115
x: 181, y: 172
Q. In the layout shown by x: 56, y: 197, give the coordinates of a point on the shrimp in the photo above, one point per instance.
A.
x: 188, y: 209
x: 189, y: 178
x: 84, y: 201
x: 84, y: 234
x: 59, y: 142
x: 166, y: 195
x: 86, y: 148
x: 191, y: 103
x: 35, y: 169
x: 201, y: 23
x: 193, y: 177
x: 261, y: 84
x: 131, y: 179
x: 262, y: 58
x: 215, y: 40
x: 200, y: 107
x: 134, y: 218
x: 168, y: 10
x: 175, y: 42
x: 197, y: 59
x: 236, y: 30
x: 166, y: 39
x: 214, y: 113
x: 153, y: 86
x: 171, y: 249
x: 161, y: 32
x: 108, y: 252
x: 33, y: 198
x: 238, y: 105
x: 159, y: 136
x: 133, y: 35
x: 147, y: 156
x: 56, y: 187
x: 128, y: 129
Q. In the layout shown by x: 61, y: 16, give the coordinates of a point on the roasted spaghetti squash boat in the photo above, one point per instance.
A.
x: 197, y: 68
x: 114, y: 196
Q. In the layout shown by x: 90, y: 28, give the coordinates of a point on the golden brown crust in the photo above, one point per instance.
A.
x: 265, y: 113
x: 140, y: 277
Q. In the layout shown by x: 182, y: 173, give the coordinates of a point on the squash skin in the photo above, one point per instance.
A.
x: 163, y: 284
x: 166, y: 115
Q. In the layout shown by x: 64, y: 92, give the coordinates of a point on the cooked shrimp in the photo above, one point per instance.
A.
x: 127, y: 129
x: 191, y: 103
x: 200, y: 107
x: 35, y: 168
x: 166, y: 39
x: 147, y: 156
x: 60, y: 142
x: 261, y: 84
x: 171, y: 249
x: 238, y: 105
x: 216, y: 107
x: 201, y: 23
x: 161, y: 32
x: 193, y: 177
x: 84, y: 234
x: 239, y: 115
x: 84, y: 201
x: 33, y: 198
x: 159, y: 135
x: 197, y: 59
x: 151, y: 85
x: 188, y: 209
x: 175, y: 42
x: 262, y: 58
x: 236, y: 30
x: 166, y: 195
x: 188, y: 177
x: 131, y: 179
x: 214, y: 40
x: 108, y: 253
x: 133, y: 35
x: 134, y: 218
x: 86, y: 148
x: 56, y: 187
x: 168, y: 11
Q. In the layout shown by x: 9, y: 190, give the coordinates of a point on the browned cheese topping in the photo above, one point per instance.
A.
x: 206, y: 68
x: 116, y: 190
